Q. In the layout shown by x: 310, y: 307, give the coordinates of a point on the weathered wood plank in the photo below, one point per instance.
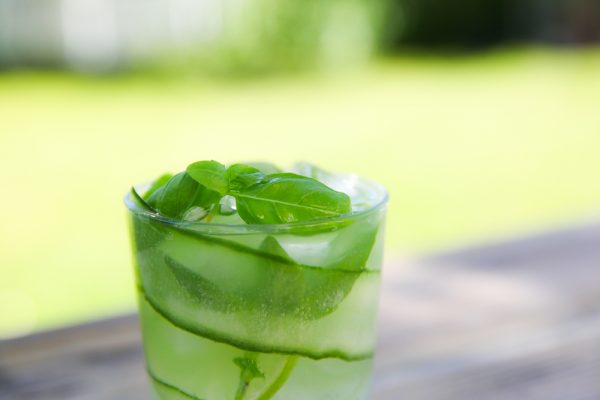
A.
x: 100, y: 361
x: 514, y: 320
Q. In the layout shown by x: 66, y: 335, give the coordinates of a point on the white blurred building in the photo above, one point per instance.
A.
x: 101, y: 34
x: 104, y: 35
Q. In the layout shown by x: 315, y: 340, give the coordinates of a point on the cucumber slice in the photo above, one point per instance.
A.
x: 347, y: 334
x: 245, y: 278
x: 249, y: 282
x: 258, y: 298
x: 278, y: 370
x: 168, y: 391
x: 139, y: 201
x: 228, y: 274
x: 147, y: 235
x: 181, y: 364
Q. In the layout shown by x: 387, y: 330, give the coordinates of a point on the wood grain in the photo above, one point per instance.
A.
x: 513, y: 320
x: 517, y: 320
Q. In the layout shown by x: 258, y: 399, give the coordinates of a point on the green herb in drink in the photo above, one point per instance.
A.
x: 261, y: 198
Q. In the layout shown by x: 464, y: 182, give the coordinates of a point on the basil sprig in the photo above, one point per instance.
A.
x: 263, y: 196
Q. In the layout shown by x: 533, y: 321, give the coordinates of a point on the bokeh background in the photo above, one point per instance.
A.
x: 479, y: 116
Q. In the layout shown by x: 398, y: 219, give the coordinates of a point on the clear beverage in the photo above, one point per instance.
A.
x: 231, y: 311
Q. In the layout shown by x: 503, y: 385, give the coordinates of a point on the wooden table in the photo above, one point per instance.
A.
x: 516, y: 320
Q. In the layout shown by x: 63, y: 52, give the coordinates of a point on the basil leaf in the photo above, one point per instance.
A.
x: 157, y: 184
x: 180, y: 194
x: 242, y: 176
x: 248, y: 371
x: 210, y: 174
x: 249, y: 367
x: 286, y: 197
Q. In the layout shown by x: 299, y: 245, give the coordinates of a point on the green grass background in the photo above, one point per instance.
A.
x: 470, y: 148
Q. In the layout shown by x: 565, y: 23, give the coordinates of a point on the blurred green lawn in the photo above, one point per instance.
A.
x: 470, y: 148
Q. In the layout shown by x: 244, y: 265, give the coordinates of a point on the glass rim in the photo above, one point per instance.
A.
x: 200, y: 226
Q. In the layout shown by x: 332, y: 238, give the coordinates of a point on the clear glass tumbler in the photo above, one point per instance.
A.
x: 240, y: 312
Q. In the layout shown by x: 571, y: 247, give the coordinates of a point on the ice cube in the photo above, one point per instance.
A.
x: 363, y: 194
x: 227, y: 205
x: 309, y: 249
x: 194, y: 214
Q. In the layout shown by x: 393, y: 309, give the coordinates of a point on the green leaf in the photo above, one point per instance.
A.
x: 210, y: 174
x: 180, y: 194
x: 157, y: 184
x: 280, y: 380
x: 285, y: 198
x: 249, y: 371
x: 249, y: 367
x: 242, y: 176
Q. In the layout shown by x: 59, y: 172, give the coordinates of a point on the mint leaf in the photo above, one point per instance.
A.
x: 180, y: 194
x: 210, y: 174
x: 286, y: 197
x: 157, y: 184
